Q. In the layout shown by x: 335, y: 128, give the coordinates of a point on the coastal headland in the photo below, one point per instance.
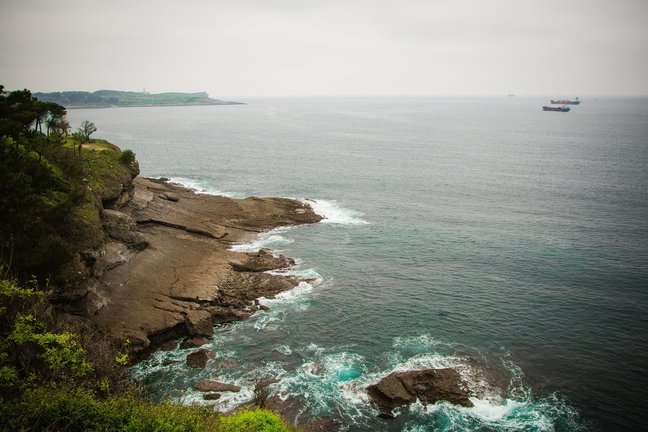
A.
x: 166, y: 269
x: 117, y: 98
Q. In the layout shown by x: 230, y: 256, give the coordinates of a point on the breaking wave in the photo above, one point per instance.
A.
x: 272, y: 239
x: 333, y: 213
x: 202, y: 187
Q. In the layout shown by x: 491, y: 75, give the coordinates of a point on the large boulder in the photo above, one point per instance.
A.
x: 428, y: 386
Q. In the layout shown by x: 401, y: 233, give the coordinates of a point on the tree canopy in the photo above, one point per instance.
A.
x: 34, y: 189
x: 22, y: 115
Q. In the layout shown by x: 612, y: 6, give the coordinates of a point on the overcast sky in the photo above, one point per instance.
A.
x: 242, y: 48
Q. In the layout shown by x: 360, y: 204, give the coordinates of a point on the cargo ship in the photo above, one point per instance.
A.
x: 559, y: 109
x: 566, y: 102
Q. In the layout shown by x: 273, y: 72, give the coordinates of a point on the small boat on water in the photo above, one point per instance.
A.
x: 566, y: 102
x: 559, y: 109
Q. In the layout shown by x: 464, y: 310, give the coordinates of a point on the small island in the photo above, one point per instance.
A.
x: 117, y: 98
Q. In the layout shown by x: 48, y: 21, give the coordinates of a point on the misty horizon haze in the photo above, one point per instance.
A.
x: 254, y: 48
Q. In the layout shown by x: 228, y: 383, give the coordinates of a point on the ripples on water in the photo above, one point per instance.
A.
x: 482, y: 234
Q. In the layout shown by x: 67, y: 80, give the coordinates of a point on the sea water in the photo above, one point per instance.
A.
x: 481, y: 234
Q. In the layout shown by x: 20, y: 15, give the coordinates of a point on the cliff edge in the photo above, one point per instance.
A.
x: 161, y: 266
x: 171, y: 270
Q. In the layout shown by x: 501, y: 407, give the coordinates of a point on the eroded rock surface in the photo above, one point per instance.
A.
x: 216, y: 386
x: 176, y: 275
x: 261, y: 261
x: 199, y: 358
x: 194, y: 342
x: 428, y: 386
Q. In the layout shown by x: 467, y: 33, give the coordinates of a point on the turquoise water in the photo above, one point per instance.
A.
x: 482, y: 234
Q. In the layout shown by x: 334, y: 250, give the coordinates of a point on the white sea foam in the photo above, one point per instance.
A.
x: 333, y: 213
x: 487, y: 410
x: 340, y: 379
x: 271, y: 239
x: 201, y: 187
x: 296, y: 299
x: 283, y: 349
x: 160, y: 361
x: 228, y: 400
x: 311, y: 274
x: 333, y: 381
x: 246, y: 379
x: 324, y: 380
x: 268, y: 320
x: 291, y: 295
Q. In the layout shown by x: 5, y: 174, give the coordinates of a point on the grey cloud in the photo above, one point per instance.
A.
x: 305, y: 47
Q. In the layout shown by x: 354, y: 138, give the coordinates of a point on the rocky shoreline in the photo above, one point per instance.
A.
x: 166, y: 270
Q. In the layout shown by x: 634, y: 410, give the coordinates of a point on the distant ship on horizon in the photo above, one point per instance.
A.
x: 566, y: 102
x: 559, y: 109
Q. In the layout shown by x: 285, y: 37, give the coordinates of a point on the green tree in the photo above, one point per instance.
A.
x: 34, y: 192
x: 56, y: 122
x: 22, y: 117
x: 87, y: 128
x: 42, y: 143
x: 127, y: 157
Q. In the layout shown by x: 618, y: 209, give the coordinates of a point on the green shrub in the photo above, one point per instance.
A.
x: 51, y: 409
x: 258, y: 420
x: 55, y: 408
x: 127, y: 157
x: 61, y: 352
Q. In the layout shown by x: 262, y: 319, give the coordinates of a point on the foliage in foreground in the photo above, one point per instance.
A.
x: 77, y: 409
x: 50, y: 382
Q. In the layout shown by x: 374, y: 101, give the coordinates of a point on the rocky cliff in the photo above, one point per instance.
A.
x: 161, y: 266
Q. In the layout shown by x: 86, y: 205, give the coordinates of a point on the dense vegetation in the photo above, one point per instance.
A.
x: 107, y: 98
x: 51, y: 188
x: 56, y: 373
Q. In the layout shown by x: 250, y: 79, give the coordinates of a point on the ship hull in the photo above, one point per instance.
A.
x: 556, y: 109
x: 566, y: 102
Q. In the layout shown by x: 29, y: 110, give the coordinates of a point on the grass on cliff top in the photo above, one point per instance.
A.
x: 101, y: 176
x: 103, y: 170
x: 51, y: 204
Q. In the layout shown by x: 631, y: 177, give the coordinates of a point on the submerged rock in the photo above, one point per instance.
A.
x: 169, y: 346
x: 199, y: 358
x: 194, y: 342
x: 216, y: 386
x: 428, y: 386
x: 322, y: 424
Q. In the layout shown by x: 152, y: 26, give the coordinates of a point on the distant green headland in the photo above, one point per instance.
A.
x: 116, y: 98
